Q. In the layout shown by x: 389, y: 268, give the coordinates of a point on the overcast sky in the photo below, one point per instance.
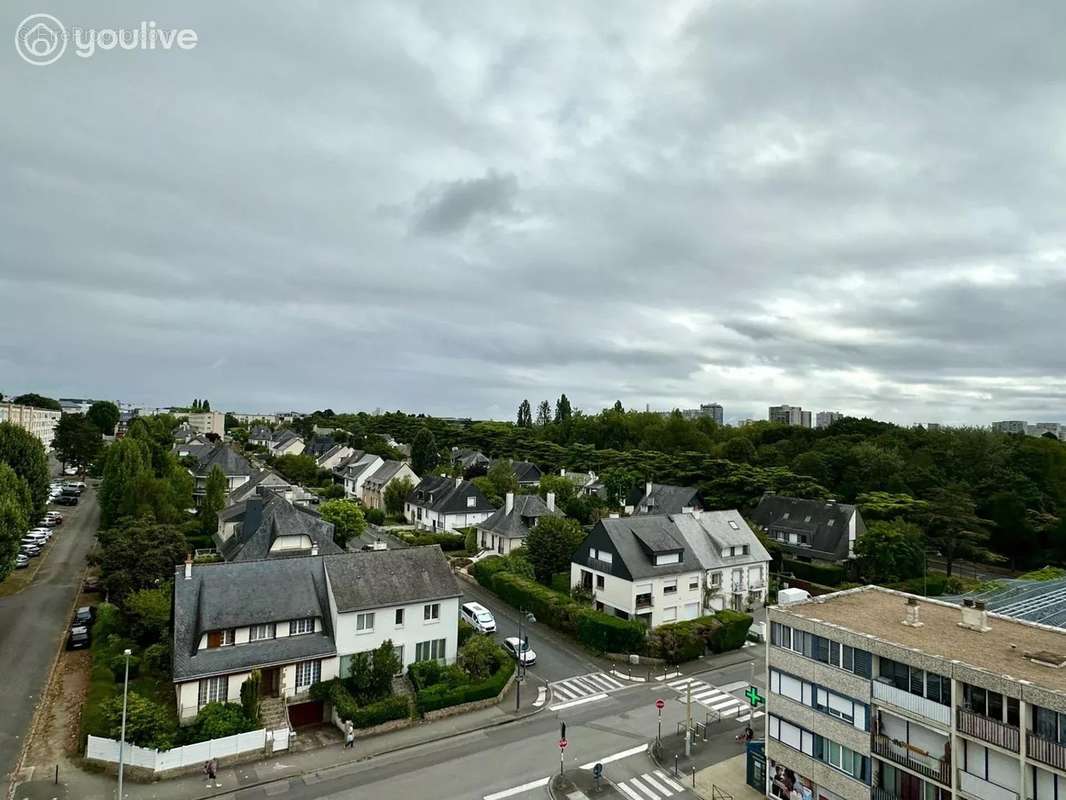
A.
x: 449, y: 206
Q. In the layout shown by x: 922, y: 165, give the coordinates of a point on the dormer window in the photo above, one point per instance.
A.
x: 471, y: 502
x: 664, y: 559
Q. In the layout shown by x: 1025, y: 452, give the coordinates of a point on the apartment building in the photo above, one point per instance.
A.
x: 41, y: 422
x: 790, y: 415
x: 874, y: 693
x: 204, y: 422
x: 823, y: 419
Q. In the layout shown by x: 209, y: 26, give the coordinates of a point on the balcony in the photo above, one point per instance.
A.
x: 643, y: 602
x: 602, y: 566
x: 988, y: 730
x: 937, y: 769
x: 1045, y: 751
x: 982, y: 789
x: 912, y: 703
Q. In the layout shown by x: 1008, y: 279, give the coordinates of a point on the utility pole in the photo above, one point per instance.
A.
x: 122, y: 736
x: 688, y: 721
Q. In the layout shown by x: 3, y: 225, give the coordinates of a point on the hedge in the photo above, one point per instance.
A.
x: 733, y: 631
x: 384, y: 710
x: 677, y: 642
x: 447, y: 541
x: 561, y: 582
x: 442, y: 695
x: 610, y: 634
x: 828, y: 574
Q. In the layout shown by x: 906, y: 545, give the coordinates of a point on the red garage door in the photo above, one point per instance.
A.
x: 302, y: 714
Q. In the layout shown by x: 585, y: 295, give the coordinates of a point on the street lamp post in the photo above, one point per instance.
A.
x: 528, y: 616
x: 122, y: 735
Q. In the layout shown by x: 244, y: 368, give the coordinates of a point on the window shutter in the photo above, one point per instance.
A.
x: 214, y: 639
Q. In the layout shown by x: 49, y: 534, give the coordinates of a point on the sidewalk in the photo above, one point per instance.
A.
x: 78, y: 784
x: 719, y: 761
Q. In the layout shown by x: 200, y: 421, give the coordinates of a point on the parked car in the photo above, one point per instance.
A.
x: 70, y: 491
x: 479, y: 617
x: 22, y: 561
x: 85, y: 615
x: 78, y: 638
x: 66, y: 500
x: 70, y: 471
x: 30, y: 550
x: 74, y: 485
x: 91, y: 584
x: 55, y: 516
x: 513, y: 646
x: 47, y: 522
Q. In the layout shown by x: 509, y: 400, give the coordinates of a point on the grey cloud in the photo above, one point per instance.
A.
x: 449, y: 207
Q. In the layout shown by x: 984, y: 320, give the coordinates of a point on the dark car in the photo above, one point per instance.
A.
x: 78, y: 638
x: 66, y: 500
x: 70, y: 491
x: 85, y: 615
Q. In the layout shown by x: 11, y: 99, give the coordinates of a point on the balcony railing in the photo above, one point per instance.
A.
x: 877, y: 793
x: 937, y: 769
x: 988, y: 730
x: 602, y: 566
x: 1045, y: 751
x: 920, y: 706
x: 984, y: 790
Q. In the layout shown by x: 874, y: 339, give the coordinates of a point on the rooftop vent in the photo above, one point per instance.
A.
x: 1046, y: 658
x: 974, y: 616
x: 912, y: 619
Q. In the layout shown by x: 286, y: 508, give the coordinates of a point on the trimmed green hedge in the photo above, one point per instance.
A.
x: 442, y: 695
x: 678, y: 642
x: 610, y: 634
x: 818, y: 572
x: 447, y: 541
x: 561, y: 582
x: 733, y: 631
x: 376, y: 713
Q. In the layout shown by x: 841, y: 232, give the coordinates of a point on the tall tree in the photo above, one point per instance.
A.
x: 205, y: 405
x: 550, y: 544
x: 104, y: 415
x: 77, y: 441
x: 618, y: 483
x: 525, y: 416
x: 424, y: 455
x: 124, y: 462
x: 37, y: 401
x: 138, y: 555
x: 214, y: 499
x: 562, y: 409
x: 14, y: 506
x: 396, y: 495
x: 953, y: 528
x: 544, y: 413
x: 24, y: 453
x: 347, y: 518
x: 195, y: 404
x: 891, y: 551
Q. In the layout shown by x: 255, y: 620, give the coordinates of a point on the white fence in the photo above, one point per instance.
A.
x: 190, y: 755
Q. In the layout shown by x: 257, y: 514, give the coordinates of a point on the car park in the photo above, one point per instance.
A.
x: 514, y: 646
x: 78, y: 638
x: 479, y: 617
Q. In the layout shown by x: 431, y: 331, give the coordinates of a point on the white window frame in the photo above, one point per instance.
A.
x: 308, y: 673
x: 301, y: 626
x: 212, y: 690
x: 431, y: 613
x: 259, y: 633
x: 229, y: 637
x: 364, y: 622
x: 398, y: 617
x: 670, y: 586
x: 471, y: 502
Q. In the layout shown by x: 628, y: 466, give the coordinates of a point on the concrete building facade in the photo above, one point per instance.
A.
x: 41, y: 422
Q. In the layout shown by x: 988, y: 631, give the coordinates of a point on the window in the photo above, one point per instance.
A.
x: 600, y: 582
x: 433, y: 650
x: 734, y: 525
x: 364, y: 623
x: 431, y: 612
x: 213, y: 690
x: 307, y: 673
x: 830, y: 523
x: 670, y: 614
x: 228, y: 637
x: 399, y: 618
x: 670, y: 587
x: 716, y: 580
x: 298, y: 626
x: 821, y: 649
x: 471, y: 502
x: 601, y: 555
x: 745, y: 550
x: 693, y: 584
x: 667, y: 558
x: 257, y: 632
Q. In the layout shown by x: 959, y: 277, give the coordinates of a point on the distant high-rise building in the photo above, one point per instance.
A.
x: 1010, y: 426
x: 826, y: 418
x: 712, y: 411
x: 790, y: 415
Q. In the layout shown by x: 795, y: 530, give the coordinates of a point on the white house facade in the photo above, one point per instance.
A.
x: 440, y: 503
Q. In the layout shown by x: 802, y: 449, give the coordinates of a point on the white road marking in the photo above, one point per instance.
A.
x: 578, y: 702
x: 525, y: 787
x: 629, y: 792
x: 668, y: 781
x: 617, y: 756
x: 732, y: 687
x: 542, y: 695
x: 654, y: 784
x: 636, y: 784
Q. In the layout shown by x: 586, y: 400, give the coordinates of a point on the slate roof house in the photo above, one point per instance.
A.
x: 470, y: 460
x: 300, y: 620
x: 262, y: 480
x: 508, y: 527
x: 333, y: 456
x: 269, y: 526
x: 736, y: 565
x: 440, y: 503
x: 260, y: 435
x: 662, y: 498
x: 286, y: 443
x: 357, y: 471
x: 374, y: 485
x: 234, y: 466
x: 639, y: 568
x: 527, y: 473
x: 320, y: 444
x: 810, y: 529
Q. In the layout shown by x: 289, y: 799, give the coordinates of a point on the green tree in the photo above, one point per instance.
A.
x: 953, y: 528
x: 138, y: 554
x: 13, y: 526
x: 738, y: 449
x: 37, y: 401
x: 24, y: 453
x: 148, y: 612
x: 205, y: 405
x: 384, y: 664
x: 104, y: 415
x: 525, y: 416
x: 563, y: 488
x: 360, y: 680
x: 1011, y: 534
x: 480, y: 657
x: 147, y: 723
x: 396, y: 495
x: 77, y: 441
x: 11, y: 485
x: 563, y: 411
x: 250, y: 695
x: 891, y: 551
x: 889, y: 505
x: 618, y: 483
x: 544, y: 414
x: 124, y: 461
x: 214, y: 499
x: 550, y: 544
x: 301, y: 469
x: 501, y: 478
x: 347, y: 518
x: 424, y: 455
x: 231, y: 422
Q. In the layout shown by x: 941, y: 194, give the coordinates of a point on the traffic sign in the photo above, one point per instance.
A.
x: 562, y: 744
x: 660, y: 704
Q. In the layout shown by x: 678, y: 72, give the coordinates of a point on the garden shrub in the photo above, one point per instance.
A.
x: 561, y: 582
x: 732, y: 631
x: 375, y: 516
x: 361, y: 716
x: 148, y: 724
x: 117, y: 663
x: 678, y: 642
x: 157, y: 658
x: 443, y: 695
x: 481, y: 657
x: 610, y: 634
x: 470, y: 541
x: 817, y: 572
x: 486, y: 568
x: 466, y: 630
x: 217, y: 721
x: 447, y: 541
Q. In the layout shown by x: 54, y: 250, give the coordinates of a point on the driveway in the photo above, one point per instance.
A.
x: 34, y: 622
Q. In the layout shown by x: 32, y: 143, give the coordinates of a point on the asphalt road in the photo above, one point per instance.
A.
x: 557, y: 656
x: 34, y: 622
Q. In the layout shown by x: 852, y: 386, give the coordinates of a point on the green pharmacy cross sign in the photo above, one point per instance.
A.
x: 754, y: 697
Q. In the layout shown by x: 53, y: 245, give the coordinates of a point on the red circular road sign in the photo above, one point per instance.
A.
x: 659, y: 704
x: 562, y: 744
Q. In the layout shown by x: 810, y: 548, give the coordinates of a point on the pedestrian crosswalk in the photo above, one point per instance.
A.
x: 727, y: 706
x: 650, y: 786
x: 582, y: 688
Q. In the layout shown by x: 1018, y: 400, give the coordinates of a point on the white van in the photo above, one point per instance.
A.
x: 479, y: 617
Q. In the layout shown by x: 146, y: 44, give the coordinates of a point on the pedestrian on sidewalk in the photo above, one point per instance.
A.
x: 211, y: 768
x: 349, y: 735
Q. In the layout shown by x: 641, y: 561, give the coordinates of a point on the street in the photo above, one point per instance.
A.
x: 34, y: 622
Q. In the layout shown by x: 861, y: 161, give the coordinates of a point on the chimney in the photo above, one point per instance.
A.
x: 551, y: 501
x: 974, y: 616
x: 314, y: 548
x: 647, y: 488
x: 188, y: 566
x: 508, y: 506
x: 912, y: 619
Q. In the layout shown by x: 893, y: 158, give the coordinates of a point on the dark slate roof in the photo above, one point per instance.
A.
x: 526, y: 471
x: 527, y: 508
x: 469, y: 458
x: 448, y: 495
x: 283, y: 434
x: 321, y: 444
x: 390, y: 577
x: 222, y: 596
x: 633, y: 542
x: 226, y: 458
x: 824, y: 523
x: 348, y: 460
x: 263, y: 478
x: 260, y: 433
x: 667, y: 499
x: 264, y: 519
x: 358, y: 467
x: 384, y: 473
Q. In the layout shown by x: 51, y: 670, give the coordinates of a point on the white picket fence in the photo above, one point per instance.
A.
x: 101, y: 749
